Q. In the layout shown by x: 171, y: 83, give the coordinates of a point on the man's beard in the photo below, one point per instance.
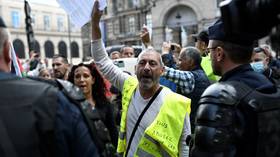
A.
x: 59, y: 75
x: 146, y: 84
x: 216, y: 69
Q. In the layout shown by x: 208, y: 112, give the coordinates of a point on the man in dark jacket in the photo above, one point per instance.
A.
x: 36, y: 118
x: 237, y: 116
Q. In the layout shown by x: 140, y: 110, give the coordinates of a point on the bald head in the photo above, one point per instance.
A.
x: 151, y: 51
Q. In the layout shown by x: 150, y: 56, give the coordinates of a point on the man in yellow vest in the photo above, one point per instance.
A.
x: 164, y: 125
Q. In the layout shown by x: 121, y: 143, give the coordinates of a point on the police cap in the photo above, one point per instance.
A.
x: 216, y: 32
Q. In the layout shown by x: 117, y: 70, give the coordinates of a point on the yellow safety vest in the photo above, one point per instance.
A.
x: 163, y: 135
x: 207, y: 67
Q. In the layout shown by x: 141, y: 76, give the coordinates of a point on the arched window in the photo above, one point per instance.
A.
x: 62, y: 48
x: 19, y: 48
x: 74, y: 49
x: 49, y: 49
x: 37, y: 46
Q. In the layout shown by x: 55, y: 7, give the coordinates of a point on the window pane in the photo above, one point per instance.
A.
x: 74, y: 49
x: 37, y: 46
x: 49, y: 49
x: 149, y: 21
x: 60, y: 21
x: 116, y: 27
x: 131, y: 24
x: 62, y: 48
x: 19, y: 48
x: 46, y: 22
x: 15, y: 19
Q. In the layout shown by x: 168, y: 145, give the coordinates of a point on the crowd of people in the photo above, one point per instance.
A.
x: 202, y: 100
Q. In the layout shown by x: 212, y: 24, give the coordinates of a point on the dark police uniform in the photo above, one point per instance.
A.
x: 240, y: 115
x: 37, y: 119
x: 227, y: 125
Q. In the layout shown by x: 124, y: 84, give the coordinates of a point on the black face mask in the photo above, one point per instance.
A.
x: 33, y: 64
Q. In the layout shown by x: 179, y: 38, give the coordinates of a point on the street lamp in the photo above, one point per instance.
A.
x: 28, y: 27
x: 178, y: 17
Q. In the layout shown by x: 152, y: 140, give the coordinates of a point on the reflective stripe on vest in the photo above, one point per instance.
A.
x: 122, y: 135
x: 129, y: 87
x: 162, y: 136
x: 167, y: 127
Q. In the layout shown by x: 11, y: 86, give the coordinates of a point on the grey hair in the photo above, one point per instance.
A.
x: 114, y: 52
x: 4, y: 36
x: 148, y: 50
x: 192, y: 53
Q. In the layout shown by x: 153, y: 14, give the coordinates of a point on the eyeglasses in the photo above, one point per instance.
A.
x: 210, y: 48
x: 258, y: 50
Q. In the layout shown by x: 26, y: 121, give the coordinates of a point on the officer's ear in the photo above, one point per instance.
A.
x: 220, y: 54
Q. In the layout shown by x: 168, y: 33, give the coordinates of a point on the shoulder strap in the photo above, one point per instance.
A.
x: 140, y: 118
x: 247, y: 94
x: 242, y: 88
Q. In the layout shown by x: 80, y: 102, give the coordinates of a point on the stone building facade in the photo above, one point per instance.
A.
x: 50, y: 26
x: 176, y: 20
x: 168, y: 20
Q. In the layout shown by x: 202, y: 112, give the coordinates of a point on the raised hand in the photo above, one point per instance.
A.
x: 95, y: 19
x: 145, y: 36
x: 165, y: 47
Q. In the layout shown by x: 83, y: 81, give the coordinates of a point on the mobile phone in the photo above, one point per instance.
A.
x: 172, y: 47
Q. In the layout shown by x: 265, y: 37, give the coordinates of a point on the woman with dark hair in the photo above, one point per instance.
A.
x: 98, y: 109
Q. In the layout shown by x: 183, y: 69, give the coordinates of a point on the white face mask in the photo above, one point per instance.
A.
x: 258, y: 66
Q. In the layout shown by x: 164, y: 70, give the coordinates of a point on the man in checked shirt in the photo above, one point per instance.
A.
x: 190, y: 79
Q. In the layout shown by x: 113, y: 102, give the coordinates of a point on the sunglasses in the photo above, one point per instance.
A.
x: 258, y: 50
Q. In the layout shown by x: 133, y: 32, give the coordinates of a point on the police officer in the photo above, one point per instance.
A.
x: 239, y: 116
x: 37, y: 119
